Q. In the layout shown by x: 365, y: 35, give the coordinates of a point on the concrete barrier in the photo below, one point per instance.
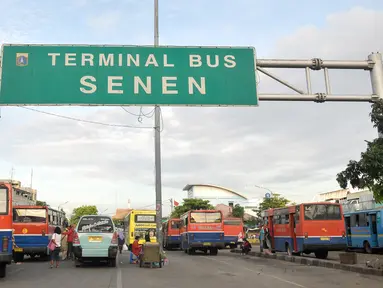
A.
x: 314, y: 262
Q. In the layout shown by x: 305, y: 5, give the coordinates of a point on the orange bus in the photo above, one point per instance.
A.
x: 232, y: 227
x: 306, y: 228
x: 34, y: 226
x: 202, y: 230
x: 6, y: 243
x: 171, y: 233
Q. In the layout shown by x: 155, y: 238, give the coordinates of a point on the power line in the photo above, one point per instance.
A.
x: 141, y: 113
x: 85, y: 121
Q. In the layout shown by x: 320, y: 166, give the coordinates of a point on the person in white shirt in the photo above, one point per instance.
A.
x: 56, y: 240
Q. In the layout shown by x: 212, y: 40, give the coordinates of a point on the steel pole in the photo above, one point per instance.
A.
x: 376, y: 75
x: 157, y: 143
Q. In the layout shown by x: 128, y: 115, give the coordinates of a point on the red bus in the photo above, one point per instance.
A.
x: 202, y: 230
x: 6, y: 243
x: 34, y: 226
x: 171, y: 233
x: 306, y: 228
x: 232, y: 227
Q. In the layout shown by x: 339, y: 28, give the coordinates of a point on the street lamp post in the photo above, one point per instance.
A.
x: 62, y: 205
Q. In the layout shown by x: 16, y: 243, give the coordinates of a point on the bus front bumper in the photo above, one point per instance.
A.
x: 327, y: 247
x: 5, y: 258
x: 220, y: 245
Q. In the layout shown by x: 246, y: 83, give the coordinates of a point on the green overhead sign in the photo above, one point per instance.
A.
x: 127, y: 75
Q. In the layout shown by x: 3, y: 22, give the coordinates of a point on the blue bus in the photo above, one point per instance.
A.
x: 364, y: 229
x: 202, y: 230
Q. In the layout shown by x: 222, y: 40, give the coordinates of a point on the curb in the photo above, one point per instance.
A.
x: 315, y: 262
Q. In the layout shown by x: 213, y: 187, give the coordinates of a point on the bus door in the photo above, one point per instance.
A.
x: 271, y: 232
x: 293, y: 231
x: 373, y: 229
x: 347, y: 221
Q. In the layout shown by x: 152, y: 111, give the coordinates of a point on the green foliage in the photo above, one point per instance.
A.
x: 118, y: 223
x: 191, y: 204
x: 41, y: 203
x: 368, y: 171
x: 238, y: 211
x: 275, y: 201
x: 83, y: 210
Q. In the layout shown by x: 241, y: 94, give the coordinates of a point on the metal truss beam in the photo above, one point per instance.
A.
x: 373, y: 64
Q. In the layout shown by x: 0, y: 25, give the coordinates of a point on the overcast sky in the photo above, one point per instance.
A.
x: 295, y: 149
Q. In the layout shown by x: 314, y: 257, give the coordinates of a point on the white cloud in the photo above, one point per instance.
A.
x: 294, y: 148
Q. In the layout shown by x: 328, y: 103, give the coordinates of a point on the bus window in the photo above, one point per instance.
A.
x: 353, y: 220
x: 174, y: 225
x: 297, y: 214
x: 205, y: 217
x: 3, y: 201
x: 231, y: 222
x: 362, y: 220
x: 322, y: 212
x: 29, y: 215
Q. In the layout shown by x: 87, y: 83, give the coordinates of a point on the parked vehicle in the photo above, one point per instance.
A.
x: 34, y: 226
x: 232, y: 228
x: 171, y: 233
x: 95, y: 240
x: 6, y: 242
x: 306, y: 228
x: 202, y: 230
x: 364, y: 229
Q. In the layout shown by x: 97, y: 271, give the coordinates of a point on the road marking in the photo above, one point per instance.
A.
x: 263, y: 273
x: 119, y: 277
x: 15, y: 271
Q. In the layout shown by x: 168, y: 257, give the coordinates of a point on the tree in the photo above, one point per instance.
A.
x: 238, y: 211
x: 118, y: 222
x: 191, y: 204
x: 275, y: 201
x: 368, y: 171
x: 83, y: 210
x: 41, y: 203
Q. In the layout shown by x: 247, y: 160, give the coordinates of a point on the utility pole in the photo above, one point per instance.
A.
x: 157, y: 142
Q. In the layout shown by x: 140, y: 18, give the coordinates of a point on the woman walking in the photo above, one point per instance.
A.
x: 56, y: 240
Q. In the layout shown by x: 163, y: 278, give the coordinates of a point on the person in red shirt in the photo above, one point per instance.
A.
x: 70, y: 235
x: 136, y: 248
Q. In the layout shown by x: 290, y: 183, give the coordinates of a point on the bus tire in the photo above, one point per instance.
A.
x: 367, y: 247
x: 3, y: 270
x: 321, y: 254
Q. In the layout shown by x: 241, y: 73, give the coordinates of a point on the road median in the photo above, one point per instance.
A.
x: 314, y: 262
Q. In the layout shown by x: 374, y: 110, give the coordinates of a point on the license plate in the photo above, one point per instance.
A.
x: 206, y: 244
x: 18, y: 249
x: 95, y: 239
x: 325, y: 238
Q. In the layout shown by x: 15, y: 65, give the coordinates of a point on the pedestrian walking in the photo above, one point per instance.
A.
x: 121, y: 240
x: 56, y: 241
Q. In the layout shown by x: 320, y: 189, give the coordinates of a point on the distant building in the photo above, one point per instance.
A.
x: 21, y: 195
x: 215, y: 194
x: 227, y: 211
x: 121, y: 214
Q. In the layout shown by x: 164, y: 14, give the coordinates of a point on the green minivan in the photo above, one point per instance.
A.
x: 95, y: 240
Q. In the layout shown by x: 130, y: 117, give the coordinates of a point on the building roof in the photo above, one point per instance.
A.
x: 189, y: 186
x: 121, y: 214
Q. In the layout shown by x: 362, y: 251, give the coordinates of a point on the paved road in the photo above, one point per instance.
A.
x: 187, y: 272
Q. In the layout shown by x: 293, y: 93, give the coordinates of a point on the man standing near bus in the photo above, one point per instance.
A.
x: 261, y: 238
x: 70, y: 236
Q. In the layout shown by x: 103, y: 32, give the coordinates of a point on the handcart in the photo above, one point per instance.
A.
x: 151, y: 255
